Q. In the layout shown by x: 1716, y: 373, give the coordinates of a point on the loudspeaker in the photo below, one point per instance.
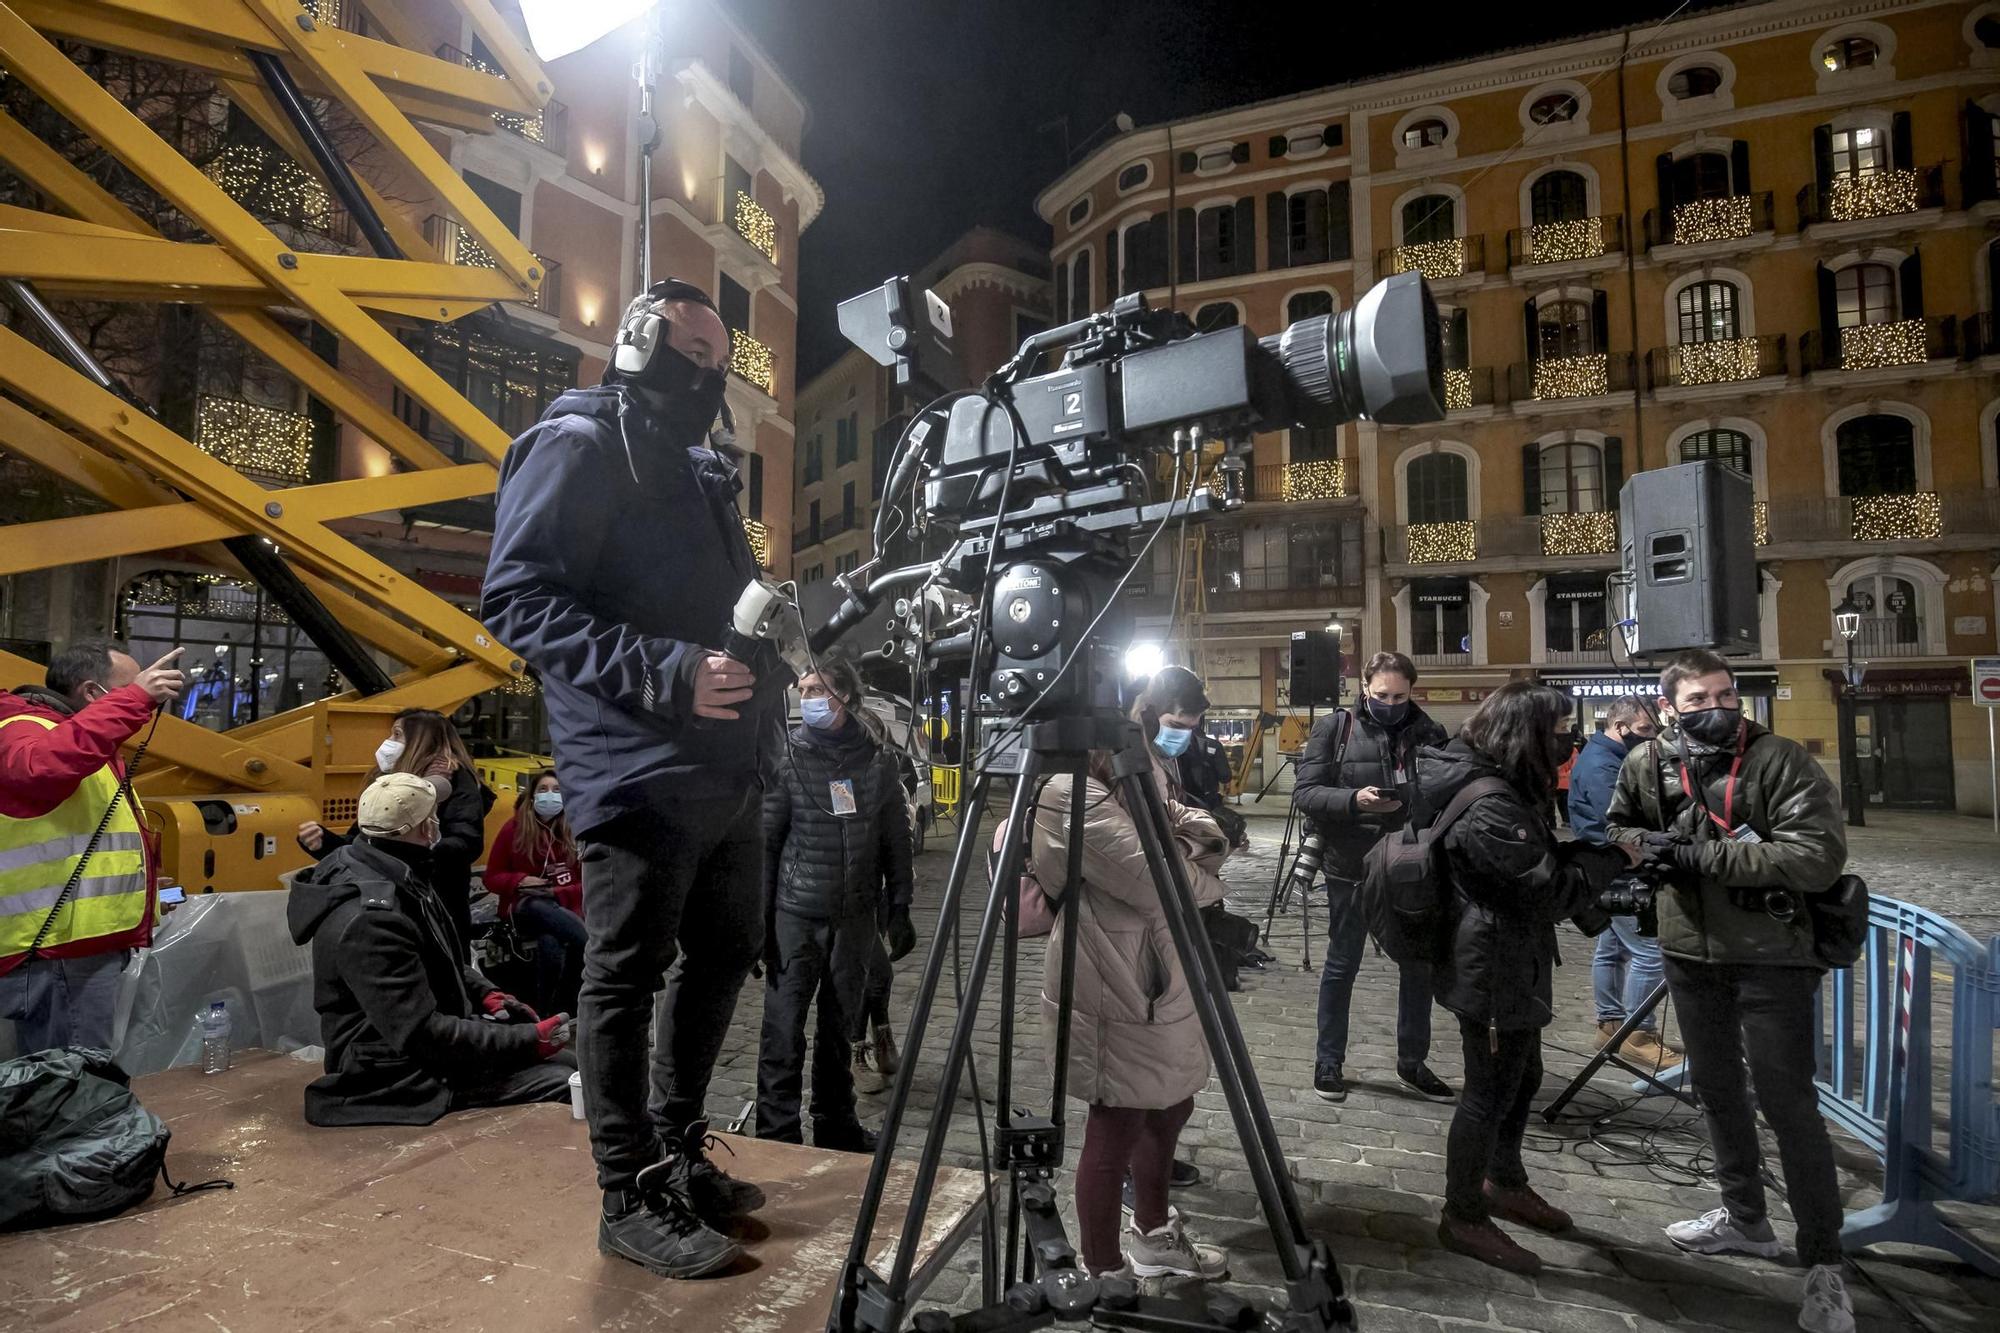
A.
x: 1690, y: 559
x: 1315, y: 668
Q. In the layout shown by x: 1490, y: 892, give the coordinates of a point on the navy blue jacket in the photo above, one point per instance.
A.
x: 612, y: 571
x: 1591, y: 781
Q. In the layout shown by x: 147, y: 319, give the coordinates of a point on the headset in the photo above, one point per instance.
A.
x: 644, y: 329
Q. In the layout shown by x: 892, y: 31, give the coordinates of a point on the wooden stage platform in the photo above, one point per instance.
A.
x: 485, y: 1221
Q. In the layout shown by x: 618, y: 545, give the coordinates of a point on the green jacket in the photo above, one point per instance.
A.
x: 1783, y: 794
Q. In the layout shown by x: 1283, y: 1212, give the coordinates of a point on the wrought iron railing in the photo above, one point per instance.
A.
x: 256, y: 440
x: 754, y: 225
x: 1732, y: 217
x: 1566, y: 241
x: 1453, y: 257
x: 1903, y: 342
x: 1555, y: 378
x: 1319, y: 480
x: 548, y: 127
x: 1877, y: 194
x: 753, y: 361
x: 1727, y: 361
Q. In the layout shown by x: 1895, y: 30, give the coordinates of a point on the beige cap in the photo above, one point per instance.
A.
x: 396, y: 803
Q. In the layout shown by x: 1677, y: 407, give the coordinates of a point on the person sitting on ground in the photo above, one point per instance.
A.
x: 532, y: 869
x: 410, y: 1034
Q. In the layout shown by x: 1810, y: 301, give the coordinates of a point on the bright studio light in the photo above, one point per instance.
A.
x: 1144, y: 659
x: 558, y: 27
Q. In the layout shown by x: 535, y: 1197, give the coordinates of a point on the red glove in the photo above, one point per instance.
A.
x: 499, y: 1004
x: 551, y: 1035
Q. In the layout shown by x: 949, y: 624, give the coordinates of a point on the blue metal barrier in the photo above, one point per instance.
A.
x: 1881, y: 1092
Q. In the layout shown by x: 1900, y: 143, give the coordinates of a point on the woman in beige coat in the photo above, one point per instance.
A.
x: 1136, y: 1055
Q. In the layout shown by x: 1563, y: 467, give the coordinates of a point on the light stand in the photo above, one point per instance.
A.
x: 1847, y: 622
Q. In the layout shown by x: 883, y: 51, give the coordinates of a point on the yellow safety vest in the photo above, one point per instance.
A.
x: 37, y: 857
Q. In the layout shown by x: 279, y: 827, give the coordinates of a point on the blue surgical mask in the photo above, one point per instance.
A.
x: 817, y: 712
x: 548, y: 804
x: 1173, y: 741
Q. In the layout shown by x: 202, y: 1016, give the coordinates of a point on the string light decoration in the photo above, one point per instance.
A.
x: 754, y: 225
x: 1724, y: 362
x: 1433, y: 259
x: 1701, y: 220
x: 1760, y: 522
x: 760, y: 541
x: 1580, y: 534
x: 253, y: 439
x: 1323, y: 480
x: 327, y: 12
x: 272, y: 184
x: 1441, y: 543
x: 460, y: 248
x: 532, y: 128
x: 1573, y: 376
x: 753, y: 361
x: 1897, y: 518
x: 1872, y: 346
x: 1878, y: 194
x: 1457, y: 390
x: 1554, y: 242
x: 520, y: 686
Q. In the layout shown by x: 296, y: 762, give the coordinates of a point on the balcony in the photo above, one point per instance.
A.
x: 1574, y: 242
x: 1891, y: 636
x: 1585, y: 656
x: 1904, y: 342
x: 829, y: 528
x: 1556, y: 379
x: 1452, y: 543
x: 1877, y: 195
x: 1291, y: 482
x: 1962, y: 519
x: 760, y: 541
x: 1719, y: 224
x: 1439, y: 261
x: 754, y: 225
x: 1527, y: 538
x: 455, y: 245
x: 1468, y: 388
x: 753, y: 361
x: 549, y: 127
x: 267, y: 443
x: 1711, y: 364
x: 1580, y: 534
x: 1445, y: 661
x: 1980, y: 335
x: 281, y: 192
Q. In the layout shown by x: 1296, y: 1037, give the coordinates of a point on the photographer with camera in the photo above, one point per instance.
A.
x: 1352, y: 781
x: 1747, y: 828
x: 618, y: 556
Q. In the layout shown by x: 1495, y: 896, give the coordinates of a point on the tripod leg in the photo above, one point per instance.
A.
x: 1608, y: 1054
x: 997, y: 1254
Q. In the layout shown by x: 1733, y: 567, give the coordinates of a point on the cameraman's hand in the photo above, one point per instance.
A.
x: 1375, y: 801
x: 720, y: 683
x: 162, y: 681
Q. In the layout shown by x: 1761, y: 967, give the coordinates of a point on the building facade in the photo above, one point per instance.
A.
x: 1763, y: 235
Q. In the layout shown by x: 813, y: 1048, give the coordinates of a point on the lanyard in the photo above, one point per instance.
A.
x: 1727, y: 821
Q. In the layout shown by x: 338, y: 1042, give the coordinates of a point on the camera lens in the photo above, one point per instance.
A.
x: 1383, y: 359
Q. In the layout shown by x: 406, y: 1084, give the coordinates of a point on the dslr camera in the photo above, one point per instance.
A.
x: 1634, y: 894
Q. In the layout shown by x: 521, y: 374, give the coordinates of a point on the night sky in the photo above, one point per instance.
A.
x: 925, y: 113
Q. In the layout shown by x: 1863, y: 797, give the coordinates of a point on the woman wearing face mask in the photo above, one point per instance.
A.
x: 533, y: 870
x: 837, y: 879
x: 424, y: 742
x: 1512, y: 881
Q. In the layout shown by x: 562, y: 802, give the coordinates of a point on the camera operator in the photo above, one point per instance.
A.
x: 1745, y: 822
x: 618, y: 556
x: 1627, y: 966
x: 1350, y: 788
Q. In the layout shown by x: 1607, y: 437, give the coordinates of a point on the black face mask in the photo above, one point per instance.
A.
x: 1388, y: 715
x: 1714, y: 727
x: 684, y: 396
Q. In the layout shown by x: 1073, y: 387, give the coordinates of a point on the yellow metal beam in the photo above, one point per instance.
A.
x: 50, y: 446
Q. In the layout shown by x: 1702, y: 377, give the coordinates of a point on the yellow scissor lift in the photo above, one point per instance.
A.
x: 225, y: 803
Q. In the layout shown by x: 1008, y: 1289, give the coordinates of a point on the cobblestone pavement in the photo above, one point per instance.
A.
x: 1370, y: 1172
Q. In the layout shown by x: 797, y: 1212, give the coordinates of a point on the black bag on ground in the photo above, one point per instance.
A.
x: 1232, y: 938
x: 1404, y: 887
x: 74, y: 1142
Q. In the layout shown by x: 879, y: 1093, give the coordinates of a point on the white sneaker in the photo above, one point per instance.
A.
x: 1826, y: 1308
x: 1714, y: 1233
x: 1167, y: 1251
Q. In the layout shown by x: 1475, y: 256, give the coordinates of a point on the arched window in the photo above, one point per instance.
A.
x: 1864, y: 294
x: 1079, y: 285
x: 1304, y: 305
x: 1849, y: 53
x: 1572, y: 479
x: 1563, y: 329
x: 1731, y: 447
x: 1133, y: 176
x: 1987, y: 30
x: 1558, y: 196
x: 1892, y: 614
x: 1216, y: 315
x: 1553, y: 109
x: 1878, y: 456
x: 1859, y: 151
x: 1078, y: 211
x: 1708, y: 312
x: 1694, y: 81
x: 1436, y: 484
x: 1430, y: 217
x: 1426, y: 133
x: 1701, y: 176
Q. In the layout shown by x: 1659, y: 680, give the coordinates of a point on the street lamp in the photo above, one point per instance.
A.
x: 1847, y: 622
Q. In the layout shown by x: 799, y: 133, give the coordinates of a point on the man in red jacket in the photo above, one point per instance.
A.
x: 60, y: 772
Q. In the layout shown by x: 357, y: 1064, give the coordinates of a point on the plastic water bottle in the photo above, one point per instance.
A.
x: 215, y: 1039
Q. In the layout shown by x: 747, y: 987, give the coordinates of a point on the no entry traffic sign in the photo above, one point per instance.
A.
x: 1986, y: 681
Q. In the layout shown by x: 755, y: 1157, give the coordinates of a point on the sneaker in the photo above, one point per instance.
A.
x: 888, y: 1062
x: 1826, y: 1308
x: 867, y: 1078
x: 843, y: 1136
x: 1520, y: 1203
x: 1714, y: 1233
x: 1426, y: 1083
x: 1488, y: 1244
x: 656, y: 1228
x: 686, y: 1170
x: 1328, y: 1083
x: 1646, y: 1050
x: 1167, y: 1252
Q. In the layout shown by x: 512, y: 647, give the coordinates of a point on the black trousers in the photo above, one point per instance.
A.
x: 680, y: 880
x: 1485, y: 1139
x: 824, y: 962
x: 545, y: 1081
x: 1726, y: 1010
x: 874, y: 1010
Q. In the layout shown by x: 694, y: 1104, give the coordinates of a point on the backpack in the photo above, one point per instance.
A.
x: 1404, y: 891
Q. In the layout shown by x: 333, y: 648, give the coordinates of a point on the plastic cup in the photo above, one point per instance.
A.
x: 576, y: 1095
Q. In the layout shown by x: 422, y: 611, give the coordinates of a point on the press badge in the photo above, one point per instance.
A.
x: 842, y: 791
x: 1744, y: 833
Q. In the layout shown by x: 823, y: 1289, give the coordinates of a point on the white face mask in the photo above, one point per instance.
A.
x: 387, y: 753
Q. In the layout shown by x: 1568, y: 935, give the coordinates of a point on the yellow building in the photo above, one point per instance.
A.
x: 1763, y: 235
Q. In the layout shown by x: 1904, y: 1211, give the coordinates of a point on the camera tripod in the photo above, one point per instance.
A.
x: 1669, y: 1082
x: 1038, y: 1278
x: 1281, y: 887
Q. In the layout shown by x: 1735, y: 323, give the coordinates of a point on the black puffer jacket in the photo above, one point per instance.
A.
x: 1325, y: 790
x: 823, y: 866
x: 1513, y: 881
